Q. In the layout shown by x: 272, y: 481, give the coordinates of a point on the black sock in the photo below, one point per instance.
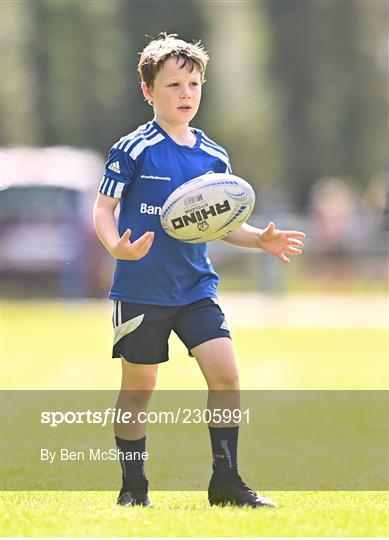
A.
x: 132, y: 469
x: 224, y: 443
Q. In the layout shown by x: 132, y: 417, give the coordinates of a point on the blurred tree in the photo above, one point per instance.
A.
x: 331, y: 90
x: 63, y: 83
x: 140, y: 21
x: 19, y: 91
x: 296, y: 88
x: 80, y: 68
x: 241, y: 110
x: 72, y: 67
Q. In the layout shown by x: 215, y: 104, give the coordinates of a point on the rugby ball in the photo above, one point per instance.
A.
x: 207, y: 208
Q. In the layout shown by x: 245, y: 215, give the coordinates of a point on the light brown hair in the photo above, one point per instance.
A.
x: 155, y: 54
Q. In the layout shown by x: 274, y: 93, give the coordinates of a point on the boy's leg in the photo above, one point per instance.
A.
x: 141, y: 334
x: 138, y: 382
x: 217, y: 362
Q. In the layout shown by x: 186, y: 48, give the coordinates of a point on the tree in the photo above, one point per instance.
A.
x: 330, y: 89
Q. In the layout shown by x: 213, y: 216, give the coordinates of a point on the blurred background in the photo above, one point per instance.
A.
x: 296, y: 92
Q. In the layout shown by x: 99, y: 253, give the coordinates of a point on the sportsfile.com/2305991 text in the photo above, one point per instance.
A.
x: 120, y: 416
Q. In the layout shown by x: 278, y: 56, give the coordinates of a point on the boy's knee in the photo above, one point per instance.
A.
x: 144, y: 384
x: 137, y: 391
x: 227, y: 380
x: 138, y: 377
x: 135, y: 398
x: 147, y: 384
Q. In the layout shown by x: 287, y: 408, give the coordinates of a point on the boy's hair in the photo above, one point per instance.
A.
x: 155, y: 54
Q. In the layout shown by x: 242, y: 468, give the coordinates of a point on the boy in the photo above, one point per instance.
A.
x: 161, y: 284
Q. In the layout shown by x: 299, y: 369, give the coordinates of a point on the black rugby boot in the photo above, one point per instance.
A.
x: 135, y: 493
x: 228, y: 488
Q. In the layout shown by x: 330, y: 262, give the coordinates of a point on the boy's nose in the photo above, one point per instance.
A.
x: 185, y: 92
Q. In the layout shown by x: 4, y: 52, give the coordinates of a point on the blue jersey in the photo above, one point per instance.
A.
x: 143, y: 169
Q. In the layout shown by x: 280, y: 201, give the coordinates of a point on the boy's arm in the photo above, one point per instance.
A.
x: 271, y: 240
x: 107, y: 231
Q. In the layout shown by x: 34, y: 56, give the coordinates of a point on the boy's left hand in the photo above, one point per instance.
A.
x: 278, y: 243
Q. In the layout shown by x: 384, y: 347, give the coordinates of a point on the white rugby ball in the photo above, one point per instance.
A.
x: 207, y: 208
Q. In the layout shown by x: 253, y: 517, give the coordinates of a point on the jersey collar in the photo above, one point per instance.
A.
x: 196, y: 131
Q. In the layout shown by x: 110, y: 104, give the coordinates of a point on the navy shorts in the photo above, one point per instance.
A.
x: 141, y: 331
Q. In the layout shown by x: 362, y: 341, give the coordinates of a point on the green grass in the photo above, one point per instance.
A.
x: 188, y: 514
x: 67, y: 346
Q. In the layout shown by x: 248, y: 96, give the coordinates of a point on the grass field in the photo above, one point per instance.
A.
x: 188, y: 514
x: 67, y: 346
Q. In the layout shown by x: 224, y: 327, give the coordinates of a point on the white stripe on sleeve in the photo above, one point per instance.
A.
x: 108, y: 186
x: 138, y: 149
x: 140, y: 132
x: 117, y: 192
x: 102, y: 185
x: 214, y: 152
x: 138, y: 138
x: 207, y: 141
x: 111, y: 188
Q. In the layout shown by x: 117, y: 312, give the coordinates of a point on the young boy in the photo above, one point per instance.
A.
x: 162, y: 284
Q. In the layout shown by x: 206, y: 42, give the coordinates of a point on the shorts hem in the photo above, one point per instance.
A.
x: 140, y: 363
x: 205, y: 341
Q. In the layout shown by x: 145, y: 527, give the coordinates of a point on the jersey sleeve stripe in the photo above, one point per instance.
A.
x: 208, y: 142
x: 103, y: 184
x: 138, y: 149
x: 107, y: 190
x: 134, y: 134
x: 118, y: 189
x: 134, y: 141
x: 111, y: 187
x: 126, y: 137
x: 140, y: 135
x: 214, y: 152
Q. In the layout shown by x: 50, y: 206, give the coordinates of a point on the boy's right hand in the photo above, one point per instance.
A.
x: 132, y: 251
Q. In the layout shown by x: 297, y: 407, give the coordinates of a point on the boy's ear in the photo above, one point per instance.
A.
x: 146, y: 92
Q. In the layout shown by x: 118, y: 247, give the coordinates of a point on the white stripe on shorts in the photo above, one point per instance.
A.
x: 122, y: 330
x: 117, y: 313
x: 119, y: 319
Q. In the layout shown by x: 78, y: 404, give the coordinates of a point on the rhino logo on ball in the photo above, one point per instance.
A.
x: 200, y: 216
